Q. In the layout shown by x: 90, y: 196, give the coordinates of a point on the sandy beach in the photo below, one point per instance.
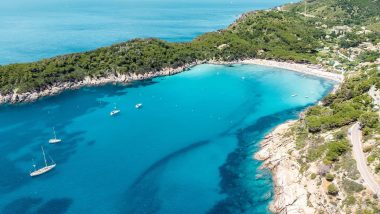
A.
x: 314, y: 70
x: 56, y: 88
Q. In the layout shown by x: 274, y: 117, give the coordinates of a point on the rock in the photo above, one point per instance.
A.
x: 290, y: 193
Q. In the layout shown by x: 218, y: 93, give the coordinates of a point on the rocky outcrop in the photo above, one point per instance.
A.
x: 279, y: 155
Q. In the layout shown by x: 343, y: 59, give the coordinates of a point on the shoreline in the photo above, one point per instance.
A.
x: 279, y: 155
x: 309, y: 69
x: 57, y: 88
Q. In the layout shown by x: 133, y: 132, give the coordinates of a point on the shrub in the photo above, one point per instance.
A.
x: 367, y: 149
x: 313, y: 176
x: 341, y: 135
x: 329, y: 177
x: 332, y: 189
x: 314, y: 124
x: 314, y: 153
x: 350, y: 200
x: 336, y: 149
x: 366, y: 131
x: 369, y: 56
x: 369, y: 119
x: 351, y: 186
x: 371, y: 159
x: 377, y: 168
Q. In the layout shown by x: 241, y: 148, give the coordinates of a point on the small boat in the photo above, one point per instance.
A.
x: 55, y: 139
x: 139, y: 105
x: 306, y: 96
x: 294, y: 95
x: 44, y: 169
x: 115, y: 112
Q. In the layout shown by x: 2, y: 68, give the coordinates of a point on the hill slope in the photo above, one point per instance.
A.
x: 272, y: 34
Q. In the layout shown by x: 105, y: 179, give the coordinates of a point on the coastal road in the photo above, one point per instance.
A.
x: 355, y: 136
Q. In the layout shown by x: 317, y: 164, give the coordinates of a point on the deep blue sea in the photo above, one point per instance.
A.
x: 35, y: 29
x: 189, y: 150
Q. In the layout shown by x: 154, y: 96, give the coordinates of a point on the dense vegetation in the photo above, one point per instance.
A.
x: 350, y: 103
x: 280, y: 35
x: 341, y: 12
x: 264, y: 34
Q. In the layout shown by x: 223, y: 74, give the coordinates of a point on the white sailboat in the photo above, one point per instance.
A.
x: 44, y: 169
x: 114, y: 112
x: 55, y: 139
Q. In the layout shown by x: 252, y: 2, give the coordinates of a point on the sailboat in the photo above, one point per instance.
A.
x: 44, y: 169
x: 115, y: 111
x: 55, y: 139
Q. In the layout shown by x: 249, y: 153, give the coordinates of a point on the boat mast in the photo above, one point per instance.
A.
x: 43, y: 152
x: 55, y: 136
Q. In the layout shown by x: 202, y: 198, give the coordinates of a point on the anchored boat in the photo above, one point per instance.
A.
x: 115, y: 112
x: 44, y: 169
x: 55, y: 139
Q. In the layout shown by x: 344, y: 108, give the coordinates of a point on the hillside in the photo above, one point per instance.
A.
x: 280, y: 34
x: 340, y: 12
x: 272, y: 34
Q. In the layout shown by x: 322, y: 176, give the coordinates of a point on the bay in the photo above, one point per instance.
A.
x: 189, y: 148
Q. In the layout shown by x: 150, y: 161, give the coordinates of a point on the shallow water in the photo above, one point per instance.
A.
x: 31, y: 30
x: 188, y: 150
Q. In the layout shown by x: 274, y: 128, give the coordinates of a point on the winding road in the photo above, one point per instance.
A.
x: 355, y: 136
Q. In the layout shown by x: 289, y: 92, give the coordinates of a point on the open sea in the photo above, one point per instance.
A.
x: 188, y: 150
x: 34, y: 29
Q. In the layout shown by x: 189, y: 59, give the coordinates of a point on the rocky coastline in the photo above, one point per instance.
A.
x: 57, y: 88
x: 280, y: 156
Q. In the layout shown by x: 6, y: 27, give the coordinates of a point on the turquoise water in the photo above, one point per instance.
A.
x: 31, y: 30
x: 188, y: 150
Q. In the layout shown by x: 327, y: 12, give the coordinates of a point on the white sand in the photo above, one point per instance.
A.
x: 314, y: 70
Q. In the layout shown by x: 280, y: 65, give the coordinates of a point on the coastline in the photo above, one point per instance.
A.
x: 57, y: 88
x: 279, y: 155
x: 313, y: 70
x: 292, y: 190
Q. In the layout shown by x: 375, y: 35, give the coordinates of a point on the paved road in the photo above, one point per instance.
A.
x: 355, y: 136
